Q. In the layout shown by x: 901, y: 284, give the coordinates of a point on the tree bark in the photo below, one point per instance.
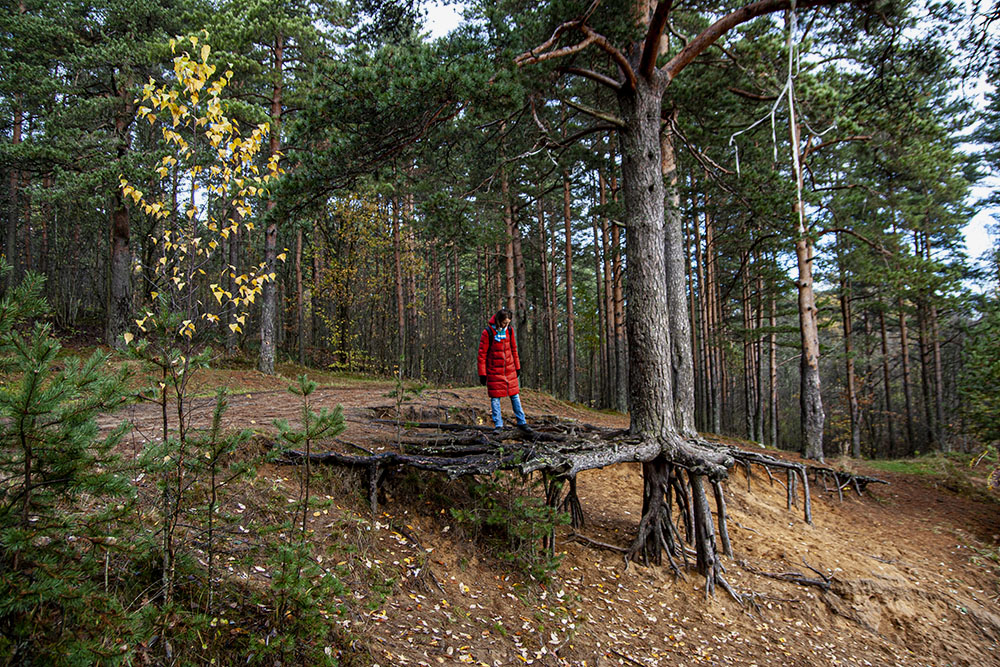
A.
x: 547, y: 296
x: 269, y: 296
x: 810, y: 398
x: 681, y: 356
x: 609, y: 299
x: 120, y: 284
x: 852, y: 392
x: 938, y: 379
x: 598, y: 370
x: 570, y: 318
x: 618, y: 303
x: 651, y: 385
x: 889, y: 417
x: 510, y: 297
x: 904, y: 352
x: 13, y: 198
x: 772, y: 367
x: 300, y: 311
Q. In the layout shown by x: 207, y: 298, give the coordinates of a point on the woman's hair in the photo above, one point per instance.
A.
x: 502, y: 314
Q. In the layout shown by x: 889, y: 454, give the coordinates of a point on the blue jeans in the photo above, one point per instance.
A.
x: 515, y: 401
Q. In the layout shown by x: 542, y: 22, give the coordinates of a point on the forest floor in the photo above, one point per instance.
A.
x: 913, y: 569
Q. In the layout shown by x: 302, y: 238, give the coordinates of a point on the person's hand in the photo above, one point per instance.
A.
x: 482, y: 380
x: 518, y: 372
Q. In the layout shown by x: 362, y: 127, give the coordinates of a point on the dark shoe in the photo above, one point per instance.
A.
x: 527, y: 430
x: 497, y: 430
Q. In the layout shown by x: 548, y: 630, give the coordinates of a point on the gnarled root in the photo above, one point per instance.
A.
x: 663, y: 481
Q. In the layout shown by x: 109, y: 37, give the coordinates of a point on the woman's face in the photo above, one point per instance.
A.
x: 503, y: 324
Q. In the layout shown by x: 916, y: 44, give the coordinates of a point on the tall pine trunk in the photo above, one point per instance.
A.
x: 889, y: 417
x: 904, y: 353
x: 682, y: 361
x: 120, y: 283
x: 570, y: 319
x: 852, y: 391
x: 810, y: 397
x: 269, y: 294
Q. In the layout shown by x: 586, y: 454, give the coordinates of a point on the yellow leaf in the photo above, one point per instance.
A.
x: 282, y: 256
x: 235, y: 328
x: 205, y: 50
x: 128, y: 337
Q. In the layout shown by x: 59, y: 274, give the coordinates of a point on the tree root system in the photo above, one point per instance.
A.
x: 677, y: 475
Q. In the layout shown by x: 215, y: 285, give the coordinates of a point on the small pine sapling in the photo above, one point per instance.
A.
x: 60, y: 489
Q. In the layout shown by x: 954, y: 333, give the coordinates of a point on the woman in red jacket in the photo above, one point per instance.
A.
x: 499, y: 367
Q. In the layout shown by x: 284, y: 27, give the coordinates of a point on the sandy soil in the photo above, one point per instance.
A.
x: 908, y: 584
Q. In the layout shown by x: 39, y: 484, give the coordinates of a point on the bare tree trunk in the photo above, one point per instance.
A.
x: 413, y: 333
x: 714, y: 323
x: 29, y: 263
x: 520, y: 280
x: 938, y: 379
x: 609, y: 307
x: 269, y: 296
x: 599, y: 365
x: 705, y: 359
x: 758, y: 350
x: 300, y: 311
x: 47, y: 217
x: 618, y: 299
x: 120, y: 284
x: 13, y: 203
x: 508, y: 218
x: 681, y: 357
x: 317, y: 272
x: 773, y: 370
x: 649, y: 322
x: 547, y: 296
x: 696, y: 369
x: 231, y: 287
x: 890, y: 418
x: 747, y: 361
x: 852, y: 393
x: 925, y: 373
x: 570, y: 319
x: 397, y: 254
x: 810, y: 397
x: 457, y: 308
x: 904, y: 351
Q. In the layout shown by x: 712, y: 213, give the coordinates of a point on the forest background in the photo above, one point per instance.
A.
x: 429, y: 182
x: 196, y: 182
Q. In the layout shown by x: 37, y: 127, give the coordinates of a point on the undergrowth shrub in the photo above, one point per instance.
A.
x: 507, y: 513
x: 61, y: 490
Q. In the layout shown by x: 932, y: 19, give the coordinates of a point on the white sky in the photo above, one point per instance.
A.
x: 441, y: 18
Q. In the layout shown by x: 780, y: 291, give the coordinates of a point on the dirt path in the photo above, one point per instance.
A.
x: 907, y: 584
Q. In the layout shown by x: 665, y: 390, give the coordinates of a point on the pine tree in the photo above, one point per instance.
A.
x: 60, y: 488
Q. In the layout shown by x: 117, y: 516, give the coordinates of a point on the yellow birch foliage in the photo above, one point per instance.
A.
x: 191, y: 116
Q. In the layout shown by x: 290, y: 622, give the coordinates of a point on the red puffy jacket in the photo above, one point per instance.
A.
x: 498, y: 361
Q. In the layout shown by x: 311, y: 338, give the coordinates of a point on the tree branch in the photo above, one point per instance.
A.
x: 593, y: 76
x: 616, y: 55
x: 651, y: 45
x: 812, y: 149
x: 558, y: 53
x: 751, y: 96
x: 712, y: 33
x: 538, y: 53
x: 599, y: 115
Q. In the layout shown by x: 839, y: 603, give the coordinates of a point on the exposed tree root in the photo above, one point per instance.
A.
x: 675, y: 473
x: 822, y: 583
x: 842, y: 480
